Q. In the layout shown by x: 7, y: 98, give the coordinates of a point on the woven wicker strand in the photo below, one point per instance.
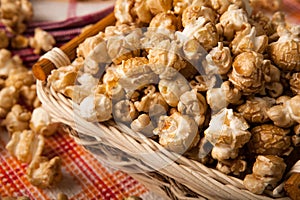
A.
x: 179, y: 178
x: 57, y: 57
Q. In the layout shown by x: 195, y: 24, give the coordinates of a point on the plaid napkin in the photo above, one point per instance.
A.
x: 84, y: 176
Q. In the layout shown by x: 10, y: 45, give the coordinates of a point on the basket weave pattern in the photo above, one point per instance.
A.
x: 180, y: 178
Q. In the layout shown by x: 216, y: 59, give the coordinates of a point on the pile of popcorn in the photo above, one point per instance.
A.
x: 216, y: 73
x: 26, y: 122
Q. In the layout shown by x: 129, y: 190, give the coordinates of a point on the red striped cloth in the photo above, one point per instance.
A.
x: 84, y: 176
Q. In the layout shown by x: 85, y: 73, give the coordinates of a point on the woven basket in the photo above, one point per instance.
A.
x: 125, y: 149
x: 141, y: 157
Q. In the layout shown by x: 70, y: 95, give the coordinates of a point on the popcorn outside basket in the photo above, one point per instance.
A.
x: 168, y: 174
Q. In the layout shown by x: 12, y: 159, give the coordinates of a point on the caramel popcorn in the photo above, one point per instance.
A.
x: 96, y: 107
x: 180, y: 5
x: 4, y: 40
x: 194, y: 105
x: 151, y: 101
x: 135, y: 73
x: 43, y: 172
x: 228, y: 132
x: 295, y: 83
x: 25, y: 145
x: 221, y: 57
x: 269, y: 139
x: 42, y: 41
x: 285, y: 52
x: 142, y: 11
x: 235, y: 167
x: 41, y: 123
x: 17, y: 119
x: 19, y: 42
x: 246, y: 40
x: 167, y: 21
x: 8, y: 98
x: 143, y: 124
x: 165, y: 57
x: 267, y: 170
x: 20, y: 77
x: 273, y: 5
x: 203, y: 31
x: 15, y: 14
x: 177, y: 132
x: 171, y: 90
x: 247, y: 72
x: 122, y: 11
x: 254, y: 110
x: 124, y: 111
x: 158, y: 6
x: 193, y: 12
x: 86, y: 47
x: 8, y: 62
x: 285, y: 114
x: 232, y: 21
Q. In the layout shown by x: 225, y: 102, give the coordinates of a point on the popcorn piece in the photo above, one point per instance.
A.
x: 171, y: 90
x: 221, y: 57
x: 143, y: 124
x: 142, y: 11
x: 20, y: 77
x: 4, y: 40
x: 28, y: 96
x: 267, y: 170
x: 194, y: 105
x: 180, y: 5
x: 62, y: 78
x: 254, y: 110
x: 295, y: 83
x: 123, y: 47
x: 96, y: 107
x: 41, y: 123
x: 287, y: 113
x: 135, y: 73
x: 235, y: 167
x: 228, y: 133
x: 122, y: 11
x: 167, y: 21
x: 177, y: 132
x: 85, y: 48
x: 268, y: 139
x: 164, y: 58
x: 25, y: 145
x: 19, y: 42
x: 202, y: 83
x: 218, y: 98
x: 124, y: 111
x: 247, y: 73
x: 85, y: 87
x: 232, y: 21
x: 158, y: 6
x: 15, y: 14
x: 203, y: 31
x: 17, y: 119
x: 220, y: 5
x: 285, y: 52
x: 273, y: 5
x: 193, y: 12
x: 151, y: 101
x: 43, y: 172
x: 262, y: 24
x: 42, y: 41
x: 8, y: 62
x: 246, y: 40
x: 8, y: 98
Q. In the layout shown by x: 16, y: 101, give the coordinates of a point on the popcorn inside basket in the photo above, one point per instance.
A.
x: 214, y: 81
